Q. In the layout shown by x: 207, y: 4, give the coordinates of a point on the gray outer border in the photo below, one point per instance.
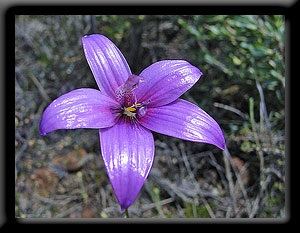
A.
x: 153, y: 220
x: 6, y: 4
x: 287, y: 119
x: 286, y: 3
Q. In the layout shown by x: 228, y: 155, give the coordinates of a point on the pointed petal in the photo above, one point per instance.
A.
x: 184, y: 120
x: 81, y: 108
x: 107, y: 63
x: 165, y: 81
x: 128, y: 153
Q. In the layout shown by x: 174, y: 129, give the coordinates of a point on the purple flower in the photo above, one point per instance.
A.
x: 127, y: 108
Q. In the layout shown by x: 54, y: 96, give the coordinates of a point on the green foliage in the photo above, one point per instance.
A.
x: 154, y: 191
x: 114, y: 26
x: 241, y: 50
x: 253, y: 45
x: 196, y: 211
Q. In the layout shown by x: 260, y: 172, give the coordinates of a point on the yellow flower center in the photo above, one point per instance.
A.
x: 131, y: 111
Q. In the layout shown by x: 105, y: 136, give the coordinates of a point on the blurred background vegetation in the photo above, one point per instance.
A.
x: 242, y: 57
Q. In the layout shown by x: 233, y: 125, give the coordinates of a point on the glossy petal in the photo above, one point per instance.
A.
x: 128, y: 153
x: 107, y: 63
x: 165, y: 81
x: 184, y: 120
x: 81, y: 108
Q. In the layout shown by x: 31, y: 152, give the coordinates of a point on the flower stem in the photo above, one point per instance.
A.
x: 126, y: 212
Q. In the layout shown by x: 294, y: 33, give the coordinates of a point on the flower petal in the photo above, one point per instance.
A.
x: 107, y: 63
x: 165, y: 81
x: 184, y: 120
x: 128, y: 153
x: 81, y: 108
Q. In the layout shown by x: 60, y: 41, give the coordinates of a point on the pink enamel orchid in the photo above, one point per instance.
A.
x: 127, y: 108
